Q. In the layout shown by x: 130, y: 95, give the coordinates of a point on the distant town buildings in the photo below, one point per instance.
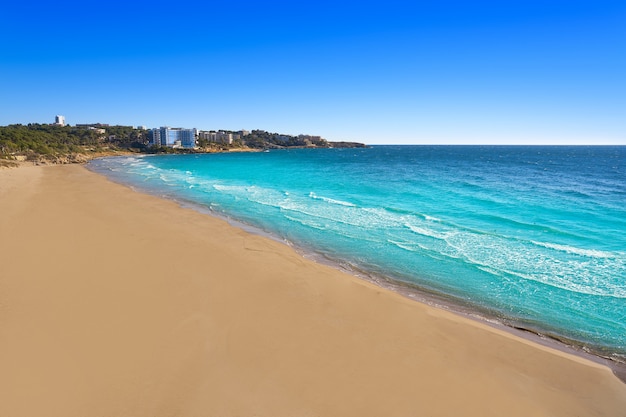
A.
x: 221, y: 136
x: 98, y: 128
x: 59, y: 120
x: 173, y: 137
x: 178, y: 137
x: 310, y: 138
x: 226, y: 138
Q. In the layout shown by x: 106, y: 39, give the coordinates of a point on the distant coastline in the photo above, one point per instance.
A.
x: 44, y: 144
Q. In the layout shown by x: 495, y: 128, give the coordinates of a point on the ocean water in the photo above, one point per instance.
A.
x: 534, y: 237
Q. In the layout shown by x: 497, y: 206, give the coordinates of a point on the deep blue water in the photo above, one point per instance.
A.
x: 535, y: 236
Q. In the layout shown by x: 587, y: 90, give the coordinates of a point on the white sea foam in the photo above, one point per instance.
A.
x: 406, y: 246
x: 303, y: 222
x: 167, y: 178
x: 425, y: 232
x: 498, y: 254
x: 331, y: 200
x: 590, y: 253
x: 431, y: 218
x: 237, y: 189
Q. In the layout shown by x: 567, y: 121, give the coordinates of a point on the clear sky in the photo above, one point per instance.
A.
x: 424, y: 72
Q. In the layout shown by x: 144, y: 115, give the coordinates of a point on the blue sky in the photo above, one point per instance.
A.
x: 432, y: 72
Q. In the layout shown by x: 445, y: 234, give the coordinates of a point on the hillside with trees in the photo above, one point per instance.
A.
x: 54, y: 144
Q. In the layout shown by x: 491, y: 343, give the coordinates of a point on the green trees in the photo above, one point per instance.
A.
x: 51, y: 140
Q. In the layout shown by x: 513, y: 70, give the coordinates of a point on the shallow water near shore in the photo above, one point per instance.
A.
x: 532, y: 236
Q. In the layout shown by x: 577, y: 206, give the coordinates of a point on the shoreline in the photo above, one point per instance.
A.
x: 129, y: 304
x: 418, y: 294
x: 447, y: 303
x: 615, y: 361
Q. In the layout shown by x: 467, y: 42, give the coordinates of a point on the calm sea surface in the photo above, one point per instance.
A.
x: 532, y: 236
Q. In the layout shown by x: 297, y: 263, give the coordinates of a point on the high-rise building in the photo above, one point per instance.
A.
x: 59, y: 120
x: 173, y: 137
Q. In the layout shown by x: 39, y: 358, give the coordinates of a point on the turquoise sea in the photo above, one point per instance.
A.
x: 530, y: 236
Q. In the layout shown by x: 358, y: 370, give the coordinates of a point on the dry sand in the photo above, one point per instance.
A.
x: 115, y: 303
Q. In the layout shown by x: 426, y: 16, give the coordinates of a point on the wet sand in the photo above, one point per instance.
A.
x: 117, y: 303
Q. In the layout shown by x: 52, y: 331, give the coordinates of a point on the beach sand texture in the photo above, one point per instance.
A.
x: 116, y: 303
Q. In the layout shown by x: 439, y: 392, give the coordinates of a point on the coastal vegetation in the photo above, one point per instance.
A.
x: 47, y: 143
x: 54, y: 144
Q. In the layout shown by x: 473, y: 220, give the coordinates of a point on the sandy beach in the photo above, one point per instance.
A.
x: 116, y: 303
